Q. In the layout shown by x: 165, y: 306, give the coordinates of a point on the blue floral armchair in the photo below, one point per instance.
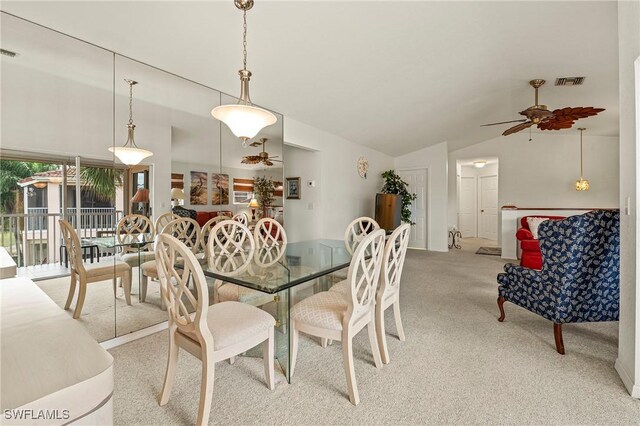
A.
x: 579, y: 280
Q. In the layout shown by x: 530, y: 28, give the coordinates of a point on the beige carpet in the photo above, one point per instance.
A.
x: 459, y: 365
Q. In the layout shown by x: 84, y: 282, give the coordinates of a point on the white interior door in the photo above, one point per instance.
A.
x: 488, y: 220
x: 417, y: 180
x: 467, y: 207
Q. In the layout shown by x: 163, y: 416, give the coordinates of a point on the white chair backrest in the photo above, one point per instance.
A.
x: 364, y: 273
x: 242, y: 218
x: 185, y: 230
x: 206, y: 230
x: 187, y: 310
x: 395, y: 251
x: 133, y: 225
x: 163, y: 219
x: 72, y: 243
x: 268, y: 232
x: 230, y: 247
x: 357, y: 230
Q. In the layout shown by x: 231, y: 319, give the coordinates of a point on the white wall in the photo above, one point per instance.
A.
x: 303, y: 220
x: 434, y: 159
x: 343, y: 194
x: 628, y: 362
x: 542, y: 173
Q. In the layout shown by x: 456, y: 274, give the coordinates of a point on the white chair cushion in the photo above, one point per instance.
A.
x: 133, y: 260
x: 96, y: 269
x: 325, y: 310
x: 341, y: 287
x: 233, y: 322
x: 238, y: 293
x: 150, y: 269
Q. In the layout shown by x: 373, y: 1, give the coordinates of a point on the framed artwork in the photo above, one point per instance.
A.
x: 293, y: 188
x: 198, y: 192
x: 219, y: 189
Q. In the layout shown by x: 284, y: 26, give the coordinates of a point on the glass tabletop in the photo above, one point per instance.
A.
x: 126, y: 240
x: 276, y: 268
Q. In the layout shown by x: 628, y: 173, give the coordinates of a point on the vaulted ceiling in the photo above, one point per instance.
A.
x: 395, y: 76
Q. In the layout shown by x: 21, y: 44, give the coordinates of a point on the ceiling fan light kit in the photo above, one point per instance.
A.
x: 540, y: 116
x: 244, y: 119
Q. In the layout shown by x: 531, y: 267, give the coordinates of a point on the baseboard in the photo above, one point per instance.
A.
x: 627, y: 380
x: 121, y: 340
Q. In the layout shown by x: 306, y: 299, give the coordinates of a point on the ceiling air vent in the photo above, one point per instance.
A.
x: 569, y: 81
x: 8, y: 53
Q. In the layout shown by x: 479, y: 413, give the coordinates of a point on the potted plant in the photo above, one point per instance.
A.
x: 263, y: 189
x: 393, y: 184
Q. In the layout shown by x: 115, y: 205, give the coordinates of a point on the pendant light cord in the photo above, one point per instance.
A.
x: 130, y: 102
x: 580, y: 154
x: 244, y: 38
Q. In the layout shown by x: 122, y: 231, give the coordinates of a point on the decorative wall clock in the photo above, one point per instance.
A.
x: 363, y: 167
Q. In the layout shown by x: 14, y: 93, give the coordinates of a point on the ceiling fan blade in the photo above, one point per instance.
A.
x: 251, y: 159
x: 517, y: 128
x: 504, y: 122
x: 268, y: 163
x: 274, y: 159
x: 256, y: 143
x: 565, y: 118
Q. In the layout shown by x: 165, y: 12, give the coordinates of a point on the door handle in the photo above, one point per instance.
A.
x: 482, y: 211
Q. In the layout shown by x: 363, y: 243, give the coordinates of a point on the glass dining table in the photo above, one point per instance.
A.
x: 283, y: 271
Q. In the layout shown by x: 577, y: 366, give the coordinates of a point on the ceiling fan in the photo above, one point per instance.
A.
x: 540, y: 115
x: 262, y: 157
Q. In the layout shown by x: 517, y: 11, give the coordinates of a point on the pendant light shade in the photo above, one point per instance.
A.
x: 244, y: 119
x: 129, y: 153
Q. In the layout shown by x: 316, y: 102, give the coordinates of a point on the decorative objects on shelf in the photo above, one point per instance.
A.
x: 393, y: 184
x: 244, y: 119
x: 253, y: 204
x: 581, y: 184
x: 130, y: 154
x: 220, y: 189
x: 363, y: 167
x: 293, y: 188
x: 198, y: 192
x: 263, y: 189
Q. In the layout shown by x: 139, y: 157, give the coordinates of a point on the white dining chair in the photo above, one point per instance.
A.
x: 163, y: 219
x: 133, y: 225
x: 210, y: 333
x: 206, y: 230
x: 388, y: 293
x: 82, y: 274
x: 242, y: 218
x: 353, y: 234
x: 184, y: 229
x: 331, y: 315
x: 231, y: 249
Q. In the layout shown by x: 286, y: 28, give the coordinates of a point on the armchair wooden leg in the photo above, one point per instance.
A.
x: 501, y: 307
x: 557, y: 333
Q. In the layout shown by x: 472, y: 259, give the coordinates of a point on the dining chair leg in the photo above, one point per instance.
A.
x: 323, y: 342
x: 380, y: 331
x: 72, y: 290
x: 82, y: 292
x: 349, y: 371
x: 232, y: 359
x: 373, y: 340
x: 172, y: 362
x: 126, y: 283
x: 143, y: 287
x: 268, y: 355
x: 295, y: 337
x: 396, y: 315
x: 206, y: 388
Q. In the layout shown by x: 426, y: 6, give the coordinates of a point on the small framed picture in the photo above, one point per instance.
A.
x: 293, y: 188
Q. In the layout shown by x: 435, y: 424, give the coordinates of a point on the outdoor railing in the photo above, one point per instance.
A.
x: 34, y: 238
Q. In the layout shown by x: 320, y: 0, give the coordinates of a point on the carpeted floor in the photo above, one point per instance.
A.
x: 459, y: 365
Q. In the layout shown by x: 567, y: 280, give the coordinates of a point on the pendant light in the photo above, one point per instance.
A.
x: 244, y: 119
x: 582, y: 184
x: 129, y: 153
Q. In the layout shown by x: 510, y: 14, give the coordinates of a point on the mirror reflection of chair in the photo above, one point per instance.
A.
x: 185, y: 230
x: 331, y: 315
x: 388, y: 293
x: 129, y: 227
x: 82, y: 274
x: 242, y: 218
x: 163, y: 219
x: 206, y: 230
x: 210, y: 333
